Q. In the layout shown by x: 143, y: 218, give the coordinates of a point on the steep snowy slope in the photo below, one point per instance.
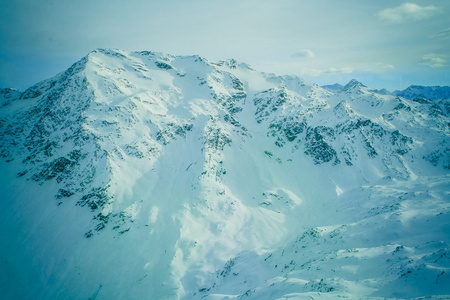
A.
x: 149, y: 176
x: 8, y: 95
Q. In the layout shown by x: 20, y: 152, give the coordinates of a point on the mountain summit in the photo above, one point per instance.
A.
x: 143, y: 175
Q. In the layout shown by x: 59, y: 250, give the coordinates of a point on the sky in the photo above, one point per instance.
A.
x: 383, y: 44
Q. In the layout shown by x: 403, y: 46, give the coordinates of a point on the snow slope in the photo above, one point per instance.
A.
x: 142, y: 175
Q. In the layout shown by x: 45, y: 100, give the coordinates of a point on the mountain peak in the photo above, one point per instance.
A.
x: 109, y: 51
x: 352, y: 84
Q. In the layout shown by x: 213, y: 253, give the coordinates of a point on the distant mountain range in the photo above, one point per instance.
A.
x: 144, y: 175
x: 411, y: 93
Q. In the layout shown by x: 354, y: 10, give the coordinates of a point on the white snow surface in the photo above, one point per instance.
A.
x: 142, y: 175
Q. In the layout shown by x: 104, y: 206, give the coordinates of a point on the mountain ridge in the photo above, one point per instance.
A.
x: 412, y: 92
x: 230, y: 172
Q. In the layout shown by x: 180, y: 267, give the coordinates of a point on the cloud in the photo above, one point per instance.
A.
x: 345, y: 70
x: 303, y: 54
x: 432, y: 60
x: 406, y: 12
x: 443, y: 34
x: 379, y: 68
x: 318, y: 72
x: 386, y: 66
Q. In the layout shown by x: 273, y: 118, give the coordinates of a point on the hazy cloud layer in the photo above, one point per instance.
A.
x: 433, y: 60
x: 407, y: 11
x: 329, y: 71
x: 303, y: 54
x: 443, y: 34
x: 323, y: 41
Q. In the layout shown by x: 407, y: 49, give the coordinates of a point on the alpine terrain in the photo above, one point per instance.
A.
x: 142, y: 175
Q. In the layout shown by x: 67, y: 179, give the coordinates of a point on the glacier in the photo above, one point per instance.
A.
x: 144, y: 175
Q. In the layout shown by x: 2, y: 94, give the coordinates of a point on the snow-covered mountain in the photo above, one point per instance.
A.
x: 413, y: 92
x: 427, y: 92
x: 142, y: 175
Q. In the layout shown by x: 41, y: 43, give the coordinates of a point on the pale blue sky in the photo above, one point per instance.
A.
x: 383, y: 43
